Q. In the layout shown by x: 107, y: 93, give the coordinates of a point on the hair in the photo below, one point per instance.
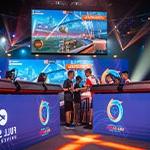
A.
x: 10, y: 74
x: 88, y: 71
x: 109, y: 75
x: 70, y: 72
x: 124, y: 72
x: 117, y: 79
x: 78, y: 78
x: 42, y: 77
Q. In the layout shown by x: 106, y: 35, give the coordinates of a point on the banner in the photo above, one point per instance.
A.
x: 125, y: 115
x: 27, y: 119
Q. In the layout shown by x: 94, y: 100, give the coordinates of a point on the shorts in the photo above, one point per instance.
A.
x: 76, y: 108
x: 68, y: 106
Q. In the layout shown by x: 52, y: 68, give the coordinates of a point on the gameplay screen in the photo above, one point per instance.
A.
x: 56, y: 70
x: 69, y: 32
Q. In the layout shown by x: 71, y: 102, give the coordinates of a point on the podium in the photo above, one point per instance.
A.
x: 29, y: 113
x: 122, y: 110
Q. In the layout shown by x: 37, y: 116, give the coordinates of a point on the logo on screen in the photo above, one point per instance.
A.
x: 115, y: 110
x: 3, y: 117
x: 44, y: 112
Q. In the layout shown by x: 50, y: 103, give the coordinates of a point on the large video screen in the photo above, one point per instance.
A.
x: 56, y: 70
x: 69, y: 32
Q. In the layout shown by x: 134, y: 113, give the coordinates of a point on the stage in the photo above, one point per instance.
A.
x: 85, y: 140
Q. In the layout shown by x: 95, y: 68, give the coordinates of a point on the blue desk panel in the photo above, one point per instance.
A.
x: 125, y: 115
x: 27, y: 119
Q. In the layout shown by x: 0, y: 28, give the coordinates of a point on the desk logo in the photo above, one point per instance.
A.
x: 6, y: 134
x: 3, y: 117
x: 115, y: 110
x: 44, y: 112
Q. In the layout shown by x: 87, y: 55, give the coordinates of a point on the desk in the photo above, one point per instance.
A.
x: 29, y: 113
x: 122, y: 110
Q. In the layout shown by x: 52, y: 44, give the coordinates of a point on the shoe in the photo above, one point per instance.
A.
x: 79, y: 124
x: 83, y: 123
x: 88, y: 127
x: 67, y: 127
x: 72, y: 126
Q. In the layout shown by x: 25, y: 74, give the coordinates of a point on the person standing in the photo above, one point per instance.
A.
x: 90, y: 81
x: 77, y: 100
x: 68, y: 99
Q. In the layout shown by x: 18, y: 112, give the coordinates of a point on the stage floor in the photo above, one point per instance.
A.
x: 82, y: 139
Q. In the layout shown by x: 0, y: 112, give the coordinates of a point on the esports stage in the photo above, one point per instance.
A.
x: 120, y: 121
x: 74, y: 75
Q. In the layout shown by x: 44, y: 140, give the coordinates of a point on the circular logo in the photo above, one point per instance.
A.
x: 3, y: 117
x: 38, y: 44
x: 44, y: 112
x: 115, y: 110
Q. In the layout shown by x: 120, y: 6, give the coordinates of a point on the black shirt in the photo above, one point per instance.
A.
x: 77, y: 95
x: 68, y: 95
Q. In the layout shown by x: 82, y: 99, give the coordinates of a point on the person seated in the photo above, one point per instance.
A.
x: 125, y: 77
x: 10, y: 75
x: 42, y: 78
x: 117, y: 81
x: 109, y: 79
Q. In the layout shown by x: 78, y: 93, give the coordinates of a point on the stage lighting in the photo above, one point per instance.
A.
x: 29, y: 46
x: 94, y: 56
x: 3, y: 40
x: 9, y: 55
x: 115, y: 56
x: 68, y: 56
x: 23, y: 52
x: 143, y: 64
x: 37, y: 55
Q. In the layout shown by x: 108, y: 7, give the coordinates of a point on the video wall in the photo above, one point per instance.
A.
x: 57, y: 69
x: 69, y: 32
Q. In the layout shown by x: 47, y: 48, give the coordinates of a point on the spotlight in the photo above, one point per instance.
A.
x: 29, y: 46
x: 3, y: 40
x: 142, y: 67
x: 9, y: 55
x: 13, y: 35
x: 37, y: 55
x: 68, y: 56
x: 115, y: 56
x: 23, y: 52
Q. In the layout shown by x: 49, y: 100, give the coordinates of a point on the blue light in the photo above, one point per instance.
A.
x: 23, y: 51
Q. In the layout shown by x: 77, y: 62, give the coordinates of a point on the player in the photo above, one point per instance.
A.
x: 125, y: 77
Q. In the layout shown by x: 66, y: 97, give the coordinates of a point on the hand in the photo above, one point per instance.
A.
x: 71, y: 89
x: 76, y: 90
